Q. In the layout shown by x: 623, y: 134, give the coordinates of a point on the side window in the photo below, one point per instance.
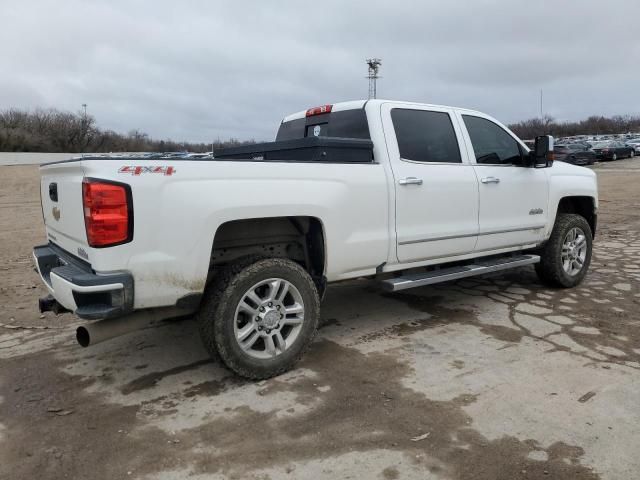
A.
x: 491, y: 143
x: 425, y: 136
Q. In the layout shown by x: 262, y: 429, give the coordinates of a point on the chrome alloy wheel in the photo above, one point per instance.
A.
x: 268, y: 318
x: 574, y: 251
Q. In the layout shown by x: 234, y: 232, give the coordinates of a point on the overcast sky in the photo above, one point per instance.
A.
x: 199, y: 70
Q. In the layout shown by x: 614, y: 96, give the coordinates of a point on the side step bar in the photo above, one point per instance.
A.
x: 481, y: 267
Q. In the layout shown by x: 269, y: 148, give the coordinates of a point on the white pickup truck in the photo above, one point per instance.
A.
x: 404, y: 193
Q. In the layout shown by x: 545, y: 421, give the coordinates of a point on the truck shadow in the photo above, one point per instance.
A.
x: 506, y: 307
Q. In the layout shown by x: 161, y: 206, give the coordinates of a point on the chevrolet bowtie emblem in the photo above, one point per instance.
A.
x: 56, y: 213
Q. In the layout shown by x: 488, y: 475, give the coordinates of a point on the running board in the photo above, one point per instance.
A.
x: 480, y: 267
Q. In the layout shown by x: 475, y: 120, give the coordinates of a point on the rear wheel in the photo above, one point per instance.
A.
x: 565, y: 258
x: 631, y: 154
x: 260, y: 316
x: 614, y: 156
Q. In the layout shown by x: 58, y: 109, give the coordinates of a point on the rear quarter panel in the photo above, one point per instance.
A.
x: 176, y: 217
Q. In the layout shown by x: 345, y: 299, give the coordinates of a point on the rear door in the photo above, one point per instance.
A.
x: 513, y: 199
x: 436, y: 190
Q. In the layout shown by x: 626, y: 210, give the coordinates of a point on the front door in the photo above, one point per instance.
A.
x: 435, y: 186
x: 513, y: 199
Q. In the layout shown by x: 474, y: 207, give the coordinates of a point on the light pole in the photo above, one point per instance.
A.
x: 84, y: 106
x: 541, y: 109
x: 374, y: 67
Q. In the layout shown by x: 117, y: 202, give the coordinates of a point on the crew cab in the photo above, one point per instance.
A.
x: 406, y: 194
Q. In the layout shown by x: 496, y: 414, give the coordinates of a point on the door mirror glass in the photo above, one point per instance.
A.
x: 542, y: 152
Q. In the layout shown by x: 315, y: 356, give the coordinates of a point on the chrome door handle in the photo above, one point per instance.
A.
x: 410, y: 181
x: 490, y: 180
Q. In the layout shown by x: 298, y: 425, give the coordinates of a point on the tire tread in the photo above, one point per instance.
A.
x: 549, y: 269
x: 211, y: 314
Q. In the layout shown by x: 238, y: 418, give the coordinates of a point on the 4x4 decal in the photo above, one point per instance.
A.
x: 140, y: 169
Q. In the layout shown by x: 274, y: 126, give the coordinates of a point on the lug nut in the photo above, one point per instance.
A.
x: 262, y: 309
x: 268, y: 330
x: 278, y: 307
x: 258, y: 319
x: 271, y: 304
x: 259, y: 328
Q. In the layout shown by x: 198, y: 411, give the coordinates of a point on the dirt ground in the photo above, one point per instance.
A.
x: 491, y: 378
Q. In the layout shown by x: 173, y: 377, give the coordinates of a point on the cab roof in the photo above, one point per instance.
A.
x: 354, y: 104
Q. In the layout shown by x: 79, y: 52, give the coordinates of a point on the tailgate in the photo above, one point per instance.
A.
x: 61, y: 192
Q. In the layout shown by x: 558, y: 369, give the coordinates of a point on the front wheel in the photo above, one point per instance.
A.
x: 565, y: 258
x: 631, y: 154
x: 614, y: 156
x: 260, y: 316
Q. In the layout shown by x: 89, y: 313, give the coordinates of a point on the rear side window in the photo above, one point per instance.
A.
x: 491, y: 143
x: 425, y: 136
x: 344, y: 124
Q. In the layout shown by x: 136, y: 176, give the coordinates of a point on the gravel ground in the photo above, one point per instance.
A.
x: 488, y: 378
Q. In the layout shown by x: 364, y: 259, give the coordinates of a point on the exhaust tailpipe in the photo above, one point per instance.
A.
x: 102, y: 330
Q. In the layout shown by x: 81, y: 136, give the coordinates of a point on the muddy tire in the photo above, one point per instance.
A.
x: 565, y: 258
x: 260, y: 316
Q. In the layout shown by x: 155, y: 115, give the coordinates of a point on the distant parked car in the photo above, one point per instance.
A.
x: 575, y: 153
x: 612, y: 150
x: 635, y: 144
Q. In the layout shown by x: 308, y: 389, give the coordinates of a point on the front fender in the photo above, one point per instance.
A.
x: 567, y: 181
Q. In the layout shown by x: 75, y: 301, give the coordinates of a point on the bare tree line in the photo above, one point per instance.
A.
x: 56, y: 131
x: 594, y: 125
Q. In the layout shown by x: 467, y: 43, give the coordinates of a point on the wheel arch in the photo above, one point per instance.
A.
x: 300, y: 238
x: 582, y: 205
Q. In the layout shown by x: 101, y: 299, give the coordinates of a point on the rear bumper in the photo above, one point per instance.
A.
x: 77, y: 288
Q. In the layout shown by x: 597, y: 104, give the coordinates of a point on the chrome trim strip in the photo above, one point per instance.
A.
x: 418, y: 162
x: 435, y: 239
x: 467, y: 235
x: 519, y: 229
x: 496, y: 165
x: 521, y: 246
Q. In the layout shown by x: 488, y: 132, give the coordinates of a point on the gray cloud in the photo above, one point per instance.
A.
x: 199, y: 70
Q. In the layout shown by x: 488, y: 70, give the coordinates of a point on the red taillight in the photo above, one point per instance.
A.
x: 107, y: 213
x: 319, y: 110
